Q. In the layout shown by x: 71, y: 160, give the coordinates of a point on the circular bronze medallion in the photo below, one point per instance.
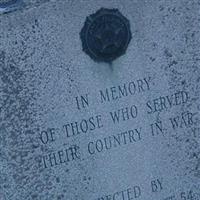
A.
x: 105, y: 35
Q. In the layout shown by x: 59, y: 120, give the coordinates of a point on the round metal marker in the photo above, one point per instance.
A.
x: 105, y: 35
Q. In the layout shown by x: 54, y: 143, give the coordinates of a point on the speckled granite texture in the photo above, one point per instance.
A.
x: 43, y: 69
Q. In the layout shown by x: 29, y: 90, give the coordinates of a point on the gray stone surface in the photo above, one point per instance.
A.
x: 43, y: 69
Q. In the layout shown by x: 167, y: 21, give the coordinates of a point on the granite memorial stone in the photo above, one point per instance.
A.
x: 100, y: 100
